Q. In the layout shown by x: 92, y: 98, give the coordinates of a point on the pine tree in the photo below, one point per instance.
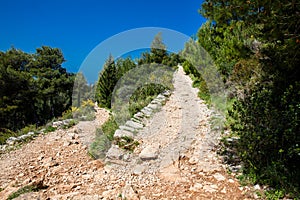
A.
x: 158, y: 49
x: 106, y: 83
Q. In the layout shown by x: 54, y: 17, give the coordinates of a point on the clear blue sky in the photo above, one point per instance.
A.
x: 78, y: 26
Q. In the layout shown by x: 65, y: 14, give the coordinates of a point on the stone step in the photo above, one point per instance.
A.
x: 137, y: 121
x: 138, y: 115
x: 134, y: 125
x: 146, y: 112
x: 153, y: 106
x: 127, y: 128
x: 161, y: 97
x: 123, y: 133
x: 114, y: 153
x: 155, y: 101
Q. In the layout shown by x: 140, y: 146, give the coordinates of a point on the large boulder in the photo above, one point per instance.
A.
x: 149, y: 153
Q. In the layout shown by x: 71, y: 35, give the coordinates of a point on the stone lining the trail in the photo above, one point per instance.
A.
x: 137, y: 122
x: 133, y: 126
x: 12, y: 140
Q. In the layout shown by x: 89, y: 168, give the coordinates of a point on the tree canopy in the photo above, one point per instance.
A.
x: 34, y: 87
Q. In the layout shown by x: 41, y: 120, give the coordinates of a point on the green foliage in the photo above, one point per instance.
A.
x: 104, y: 138
x: 86, y: 112
x: 124, y: 66
x: 198, y: 81
x: 126, y: 143
x: 109, y: 77
x: 106, y: 83
x: 158, y: 49
x: 34, y: 87
x: 158, y: 54
x: 25, y: 189
x: 82, y: 91
x: 255, y: 45
x: 267, y: 132
x: 274, y: 194
x: 5, y: 134
x: 147, y: 74
x: 109, y: 128
x: 28, y: 128
x: 99, y: 147
x: 143, y: 95
x: 49, y: 129
x: 230, y: 43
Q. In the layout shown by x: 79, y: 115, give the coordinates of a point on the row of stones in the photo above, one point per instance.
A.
x: 134, y: 125
x: 12, y: 140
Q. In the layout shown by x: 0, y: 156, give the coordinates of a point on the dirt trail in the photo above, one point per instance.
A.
x: 57, y: 161
x: 181, y: 163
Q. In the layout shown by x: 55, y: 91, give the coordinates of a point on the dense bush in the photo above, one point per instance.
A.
x: 198, y: 81
x: 5, y: 134
x: 257, y: 51
x: 269, y: 135
x: 104, y: 138
x: 143, y: 95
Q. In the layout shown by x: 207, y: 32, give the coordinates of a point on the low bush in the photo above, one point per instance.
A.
x: 104, y: 138
x: 99, y: 147
x: 86, y: 112
x: 5, y: 134
x: 109, y: 128
x: 26, y: 189
x: 143, y: 96
x: 198, y: 81
x: 126, y: 143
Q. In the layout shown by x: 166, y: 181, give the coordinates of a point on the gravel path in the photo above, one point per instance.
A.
x: 180, y: 150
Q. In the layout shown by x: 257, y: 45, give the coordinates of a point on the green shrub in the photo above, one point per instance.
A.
x: 70, y: 124
x: 198, y: 81
x: 99, y: 147
x: 126, y: 143
x: 68, y: 114
x: 143, y: 96
x: 49, y: 129
x: 268, y: 126
x: 109, y: 128
x: 5, y: 134
x: 26, y: 129
x: 26, y: 189
x: 86, y: 112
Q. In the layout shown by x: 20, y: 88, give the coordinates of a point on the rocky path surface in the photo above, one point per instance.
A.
x: 176, y: 159
x: 57, y: 162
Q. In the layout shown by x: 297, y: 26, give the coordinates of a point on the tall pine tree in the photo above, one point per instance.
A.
x: 106, y: 83
x: 158, y: 49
